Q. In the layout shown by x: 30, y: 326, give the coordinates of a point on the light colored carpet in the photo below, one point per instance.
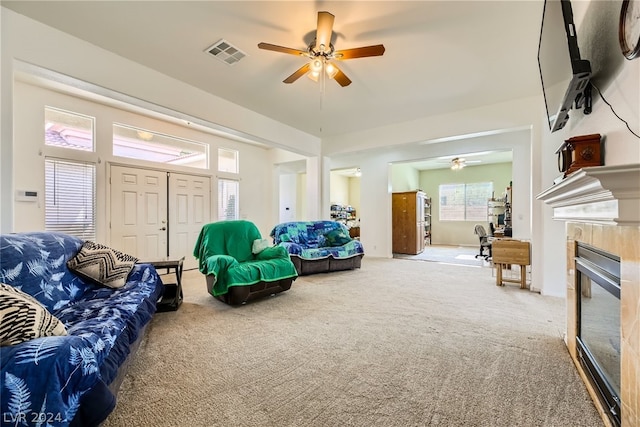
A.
x: 396, y: 343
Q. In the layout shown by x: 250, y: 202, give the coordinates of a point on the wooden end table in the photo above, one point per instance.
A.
x: 172, y: 296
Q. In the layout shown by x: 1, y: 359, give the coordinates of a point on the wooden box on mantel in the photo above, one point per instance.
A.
x: 580, y: 152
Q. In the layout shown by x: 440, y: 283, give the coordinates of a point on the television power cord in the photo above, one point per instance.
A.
x: 614, y: 111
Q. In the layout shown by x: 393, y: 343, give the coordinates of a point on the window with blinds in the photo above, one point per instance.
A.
x: 464, y: 202
x: 228, y: 199
x: 70, y: 201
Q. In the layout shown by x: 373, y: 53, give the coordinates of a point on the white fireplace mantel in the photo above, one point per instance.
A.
x: 599, y: 194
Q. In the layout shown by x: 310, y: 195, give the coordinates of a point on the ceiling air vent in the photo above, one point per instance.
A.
x: 225, y: 52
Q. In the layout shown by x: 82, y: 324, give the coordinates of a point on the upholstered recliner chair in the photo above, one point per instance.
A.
x: 237, y: 265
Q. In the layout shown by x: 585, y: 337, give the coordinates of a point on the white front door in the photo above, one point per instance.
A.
x: 189, y: 210
x: 158, y: 214
x: 139, y: 212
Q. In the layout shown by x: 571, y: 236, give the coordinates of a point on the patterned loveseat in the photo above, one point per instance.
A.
x: 64, y: 341
x: 318, y: 246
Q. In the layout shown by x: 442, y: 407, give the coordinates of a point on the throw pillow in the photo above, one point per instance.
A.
x: 337, y: 237
x: 102, y: 265
x: 260, y: 245
x: 23, y: 318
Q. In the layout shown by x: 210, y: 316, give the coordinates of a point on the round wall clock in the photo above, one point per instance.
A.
x: 629, y: 32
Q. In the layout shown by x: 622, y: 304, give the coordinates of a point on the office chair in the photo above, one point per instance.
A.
x: 485, y: 241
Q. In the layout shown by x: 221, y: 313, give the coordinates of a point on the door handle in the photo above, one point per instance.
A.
x: 163, y: 229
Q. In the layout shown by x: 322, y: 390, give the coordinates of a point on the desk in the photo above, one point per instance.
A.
x: 511, y: 251
x: 172, y: 295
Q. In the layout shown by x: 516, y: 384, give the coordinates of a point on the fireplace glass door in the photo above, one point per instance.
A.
x: 598, y: 339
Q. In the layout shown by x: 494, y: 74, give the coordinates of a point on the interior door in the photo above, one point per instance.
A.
x: 139, y: 212
x: 189, y: 210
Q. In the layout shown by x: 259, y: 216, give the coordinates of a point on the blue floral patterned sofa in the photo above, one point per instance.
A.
x: 67, y: 375
x: 318, y: 246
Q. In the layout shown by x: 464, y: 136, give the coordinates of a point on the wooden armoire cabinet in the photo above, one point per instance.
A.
x: 408, y: 222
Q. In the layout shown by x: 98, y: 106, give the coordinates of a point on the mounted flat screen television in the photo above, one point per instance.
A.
x: 564, y: 75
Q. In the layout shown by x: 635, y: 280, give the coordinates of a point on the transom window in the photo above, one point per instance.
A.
x: 228, y: 160
x: 464, y: 202
x: 68, y: 130
x: 141, y: 144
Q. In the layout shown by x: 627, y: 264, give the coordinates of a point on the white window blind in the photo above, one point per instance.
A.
x: 228, y: 199
x: 464, y: 202
x: 70, y: 201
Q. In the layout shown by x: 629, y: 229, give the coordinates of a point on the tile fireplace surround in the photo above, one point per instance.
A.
x: 601, y: 207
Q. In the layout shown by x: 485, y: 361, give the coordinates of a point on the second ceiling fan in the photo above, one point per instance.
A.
x: 322, y: 54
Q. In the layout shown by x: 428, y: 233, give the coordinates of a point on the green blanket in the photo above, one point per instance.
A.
x: 223, y: 249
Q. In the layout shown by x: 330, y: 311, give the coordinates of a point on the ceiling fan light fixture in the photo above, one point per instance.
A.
x: 314, y: 75
x: 331, y: 70
x: 457, y: 164
x: 316, y: 65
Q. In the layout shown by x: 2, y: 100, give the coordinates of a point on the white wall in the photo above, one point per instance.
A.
x: 339, y: 189
x: 25, y: 41
x: 29, y: 152
x: 404, y: 177
x: 354, y: 194
x: 619, y: 79
x: 288, y: 203
x: 301, y: 209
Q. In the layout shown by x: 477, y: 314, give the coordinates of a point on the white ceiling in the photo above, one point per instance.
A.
x: 441, y: 56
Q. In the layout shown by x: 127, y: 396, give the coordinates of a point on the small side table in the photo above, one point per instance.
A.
x: 172, y: 296
x: 511, y: 251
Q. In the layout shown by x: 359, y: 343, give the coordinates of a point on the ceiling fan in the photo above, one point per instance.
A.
x: 322, y: 54
x: 458, y: 163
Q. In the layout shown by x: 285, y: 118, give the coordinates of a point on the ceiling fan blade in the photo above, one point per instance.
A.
x: 341, y: 77
x: 298, y: 73
x: 324, y: 31
x: 276, y: 48
x: 359, y: 52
